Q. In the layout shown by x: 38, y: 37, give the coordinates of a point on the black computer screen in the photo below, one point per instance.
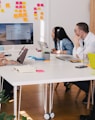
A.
x: 16, y: 33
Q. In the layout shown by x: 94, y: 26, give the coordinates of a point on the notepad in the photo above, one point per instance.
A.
x: 25, y: 69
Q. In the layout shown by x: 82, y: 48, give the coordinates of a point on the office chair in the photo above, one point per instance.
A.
x: 90, y: 94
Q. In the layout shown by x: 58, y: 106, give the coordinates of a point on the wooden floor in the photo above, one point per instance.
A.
x: 65, y: 107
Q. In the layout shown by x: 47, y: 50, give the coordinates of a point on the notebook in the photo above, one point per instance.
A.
x: 25, y: 69
x: 68, y: 58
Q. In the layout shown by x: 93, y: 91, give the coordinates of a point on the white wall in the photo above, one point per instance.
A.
x: 67, y: 13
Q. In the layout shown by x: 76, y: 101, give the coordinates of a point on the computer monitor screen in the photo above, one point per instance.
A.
x: 16, y: 33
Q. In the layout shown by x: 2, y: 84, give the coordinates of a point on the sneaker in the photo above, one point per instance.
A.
x: 84, y: 117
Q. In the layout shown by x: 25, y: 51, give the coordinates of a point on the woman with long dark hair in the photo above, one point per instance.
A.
x: 62, y: 42
x: 62, y: 45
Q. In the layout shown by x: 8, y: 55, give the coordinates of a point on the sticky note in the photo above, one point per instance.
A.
x: 38, y: 4
x: 41, y: 13
x: 35, y: 14
x: 20, y: 11
x: 2, y: 10
x: 20, y: 14
x: 15, y: 10
x: 20, y: 2
x: 16, y: 16
x: 24, y: 14
x: 17, y: 2
x: 7, y: 5
x: 41, y: 17
x: 40, y: 71
x: 25, y: 19
x: 42, y: 5
x: 36, y: 18
x: 35, y: 8
x: 23, y: 2
x: 24, y: 10
x: 20, y: 6
x: 17, y: 6
x: 39, y: 8
x: 23, y: 6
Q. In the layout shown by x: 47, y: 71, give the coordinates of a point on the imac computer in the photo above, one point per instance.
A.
x: 16, y: 33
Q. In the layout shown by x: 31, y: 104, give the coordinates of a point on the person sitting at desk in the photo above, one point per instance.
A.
x: 62, y: 45
x: 84, y: 42
x: 6, y: 86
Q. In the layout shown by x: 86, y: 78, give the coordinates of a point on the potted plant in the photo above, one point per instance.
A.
x: 4, y: 115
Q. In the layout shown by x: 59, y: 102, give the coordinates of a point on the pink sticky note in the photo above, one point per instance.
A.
x: 40, y: 71
x: 35, y: 12
x: 20, y: 6
x: 35, y: 8
x: 17, y: 2
x: 20, y: 2
x: 38, y: 4
x: 16, y: 6
x: 42, y: 5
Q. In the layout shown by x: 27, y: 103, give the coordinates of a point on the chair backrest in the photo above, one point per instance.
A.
x: 91, y: 57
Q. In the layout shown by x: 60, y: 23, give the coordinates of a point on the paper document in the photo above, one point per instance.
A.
x: 25, y: 68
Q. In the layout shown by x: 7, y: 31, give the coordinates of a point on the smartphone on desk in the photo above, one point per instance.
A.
x: 81, y: 66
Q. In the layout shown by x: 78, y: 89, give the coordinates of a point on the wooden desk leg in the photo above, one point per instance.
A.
x: 19, y: 102
x: 89, y: 95
x: 15, y: 102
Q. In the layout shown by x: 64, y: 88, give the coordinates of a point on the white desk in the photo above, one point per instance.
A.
x: 55, y: 71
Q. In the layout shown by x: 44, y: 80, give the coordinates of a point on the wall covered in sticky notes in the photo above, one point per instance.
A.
x: 20, y: 11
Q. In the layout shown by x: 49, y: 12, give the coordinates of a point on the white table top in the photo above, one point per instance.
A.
x: 55, y: 71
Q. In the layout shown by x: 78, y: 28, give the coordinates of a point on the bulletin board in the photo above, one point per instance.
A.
x: 21, y: 11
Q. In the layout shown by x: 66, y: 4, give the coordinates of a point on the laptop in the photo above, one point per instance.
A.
x: 42, y: 45
x: 68, y: 58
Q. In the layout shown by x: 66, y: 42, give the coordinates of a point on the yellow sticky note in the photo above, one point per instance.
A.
x: 20, y: 11
x: 36, y: 18
x: 23, y: 2
x: 15, y: 10
x: 25, y: 19
x: 39, y: 8
x: 24, y: 14
x: 24, y: 10
x: 41, y: 17
x: 35, y: 14
x: 16, y: 16
x: 7, y: 5
x: 41, y: 13
x: 2, y: 10
x: 23, y: 6
x: 20, y: 14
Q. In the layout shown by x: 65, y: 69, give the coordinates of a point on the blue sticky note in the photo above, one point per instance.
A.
x: 35, y: 58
